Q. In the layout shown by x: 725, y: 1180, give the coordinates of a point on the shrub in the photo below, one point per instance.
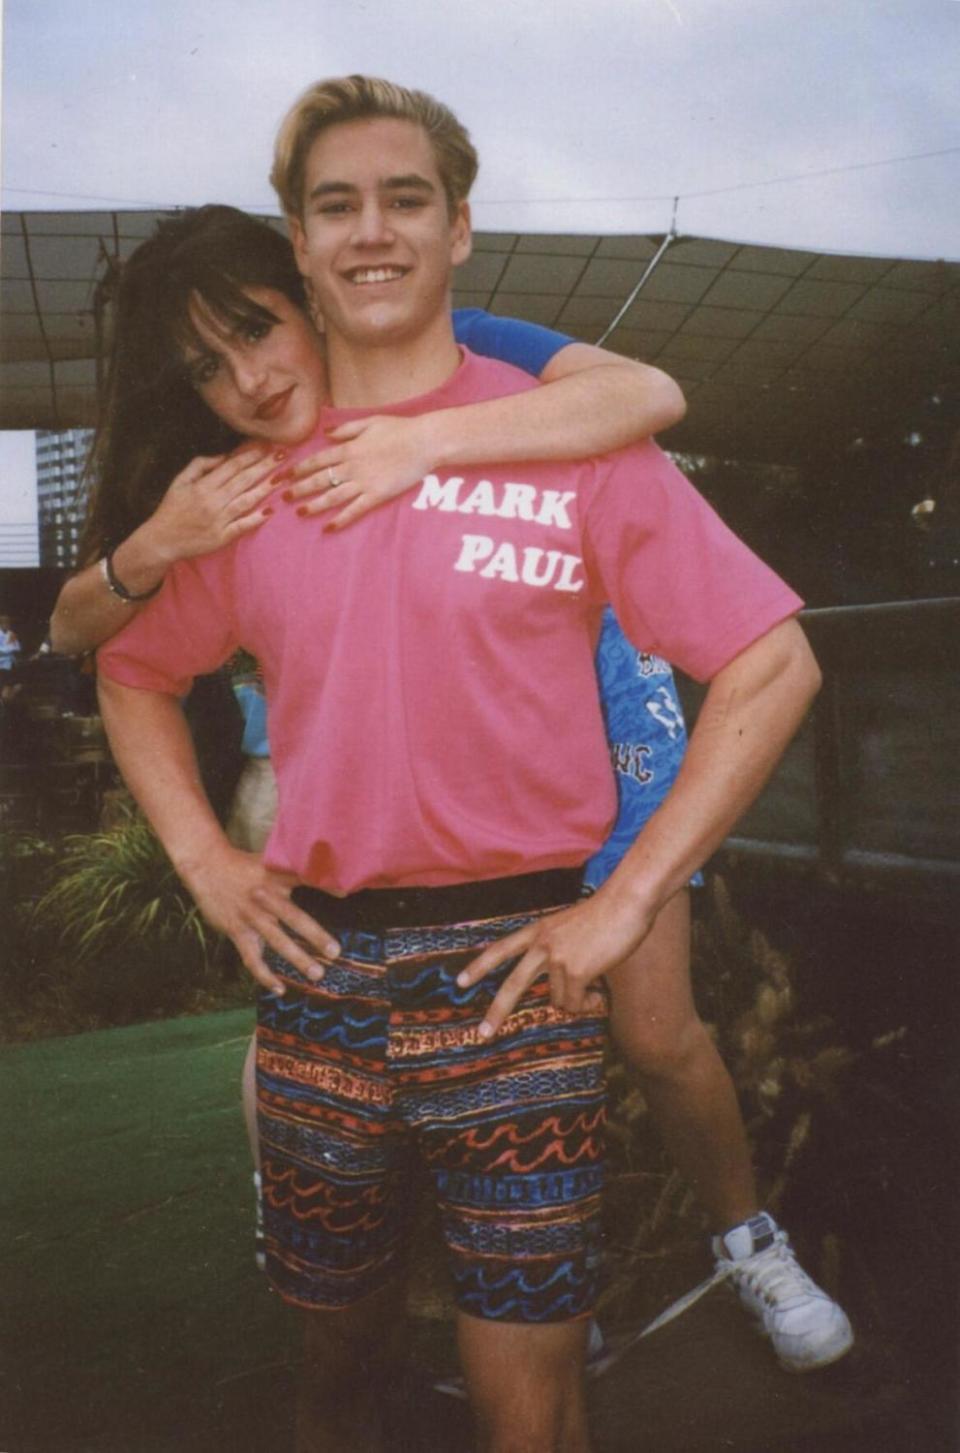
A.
x: 27, y: 866
x: 115, y: 937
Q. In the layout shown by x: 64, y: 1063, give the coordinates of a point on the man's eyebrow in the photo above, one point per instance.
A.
x: 413, y: 181
x: 325, y: 189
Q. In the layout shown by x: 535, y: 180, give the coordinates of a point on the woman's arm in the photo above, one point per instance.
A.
x: 591, y: 402
x: 209, y: 503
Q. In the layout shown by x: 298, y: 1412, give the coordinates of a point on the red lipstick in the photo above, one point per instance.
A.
x: 274, y: 406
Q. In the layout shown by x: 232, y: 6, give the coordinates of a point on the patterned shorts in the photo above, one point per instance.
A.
x: 647, y: 736
x: 381, y: 1062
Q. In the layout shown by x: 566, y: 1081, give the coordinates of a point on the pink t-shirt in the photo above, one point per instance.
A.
x: 429, y: 671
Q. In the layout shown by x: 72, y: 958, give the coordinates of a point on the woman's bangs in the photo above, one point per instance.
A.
x: 224, y: 305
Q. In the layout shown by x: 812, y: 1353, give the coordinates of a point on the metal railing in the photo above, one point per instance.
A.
x: 870, y: 788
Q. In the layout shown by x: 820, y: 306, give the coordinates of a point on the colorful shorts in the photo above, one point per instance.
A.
x: 647, y: 735
x: 381, y: 1062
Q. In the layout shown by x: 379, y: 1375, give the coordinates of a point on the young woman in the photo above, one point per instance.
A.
x: 212, y: 345
x: 181, y: 468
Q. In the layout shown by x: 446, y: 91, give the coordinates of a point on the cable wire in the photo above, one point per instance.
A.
x: 856, y: 166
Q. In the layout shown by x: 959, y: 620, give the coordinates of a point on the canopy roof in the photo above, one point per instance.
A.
x: 782, y: 354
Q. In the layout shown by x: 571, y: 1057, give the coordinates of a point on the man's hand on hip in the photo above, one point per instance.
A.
x: 252, y: 905
x: 573, y: 948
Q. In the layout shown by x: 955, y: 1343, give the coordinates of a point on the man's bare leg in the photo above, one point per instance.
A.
x: 656, y: 1028
x: 525, y: 1384
x: 345, y: 1357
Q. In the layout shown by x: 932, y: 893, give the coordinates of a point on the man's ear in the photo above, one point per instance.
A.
x: 298, y: 238
x: 298, y: 241
x: 461, y: 235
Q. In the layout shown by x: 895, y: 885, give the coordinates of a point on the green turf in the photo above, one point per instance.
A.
x: 134, y: 1316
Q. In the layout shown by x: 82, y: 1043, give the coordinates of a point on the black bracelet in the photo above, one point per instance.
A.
x: 117, y: 588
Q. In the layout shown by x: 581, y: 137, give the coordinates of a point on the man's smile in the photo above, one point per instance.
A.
x: 364, y: 276
x: 378, y: 241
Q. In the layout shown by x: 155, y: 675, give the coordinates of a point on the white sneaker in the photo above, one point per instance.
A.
x: 806, y: 1327
x: 259, y: 1231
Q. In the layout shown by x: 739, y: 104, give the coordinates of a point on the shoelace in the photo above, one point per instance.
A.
x: 597, y: 1366
x: 612, y: 1351
x: 774, y: 1274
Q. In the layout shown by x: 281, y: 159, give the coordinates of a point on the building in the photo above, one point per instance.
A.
x: 19, y: 546
x: 61, y: 493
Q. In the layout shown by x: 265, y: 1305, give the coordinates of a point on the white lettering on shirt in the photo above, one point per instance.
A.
x: 519, y: 502
x: 566, y: 581
x: 528, y: 567
x: 473, y: 549
x: 436, y: 496
x: 511, y: 501
x: 480, y: 500
x: 483, y: 555
x: 532, y: 573
x: 553, y: 510
x: 503, y: 564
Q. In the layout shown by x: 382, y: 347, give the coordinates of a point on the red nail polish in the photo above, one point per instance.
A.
x: 280, y: 455
x: 302, y: 510
x: 268, y: 510
x: 287, y: 495
x: 283, y: 476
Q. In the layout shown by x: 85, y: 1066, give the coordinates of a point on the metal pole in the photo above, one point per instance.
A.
x: 670, y: 237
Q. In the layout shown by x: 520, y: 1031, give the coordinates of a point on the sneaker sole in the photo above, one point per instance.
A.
x: 825, y: 1360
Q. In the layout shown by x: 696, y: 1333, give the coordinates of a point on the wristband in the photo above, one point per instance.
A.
x: 117, y: 588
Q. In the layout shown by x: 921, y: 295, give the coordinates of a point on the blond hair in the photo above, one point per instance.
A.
x: 361, y: 98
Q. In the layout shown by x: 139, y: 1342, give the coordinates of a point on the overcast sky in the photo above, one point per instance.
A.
x: 126, y: 103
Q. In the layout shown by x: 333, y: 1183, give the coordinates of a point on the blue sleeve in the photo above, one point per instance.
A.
x: 254, y: 707
x: 525, y: 345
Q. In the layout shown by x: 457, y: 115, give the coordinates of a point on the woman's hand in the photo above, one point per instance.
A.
x: 373, y: 460
x: 211, y: 502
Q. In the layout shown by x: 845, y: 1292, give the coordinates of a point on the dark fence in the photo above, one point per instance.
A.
x: 870, y: 787
x: 868, y: 790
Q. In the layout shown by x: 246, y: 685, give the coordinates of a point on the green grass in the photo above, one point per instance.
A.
x: 135, y: 1318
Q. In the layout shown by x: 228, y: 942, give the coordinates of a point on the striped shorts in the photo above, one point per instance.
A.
x: 381, y: 1062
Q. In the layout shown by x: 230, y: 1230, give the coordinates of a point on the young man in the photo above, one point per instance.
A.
x: 442, y: 776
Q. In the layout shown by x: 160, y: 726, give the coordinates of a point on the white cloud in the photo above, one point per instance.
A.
x: 175, y: 103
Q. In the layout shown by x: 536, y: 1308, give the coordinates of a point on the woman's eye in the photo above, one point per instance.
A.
x: 256, y: 330
x: 202, y: 371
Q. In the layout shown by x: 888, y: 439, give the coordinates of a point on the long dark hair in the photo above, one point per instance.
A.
x: 152, y: 422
